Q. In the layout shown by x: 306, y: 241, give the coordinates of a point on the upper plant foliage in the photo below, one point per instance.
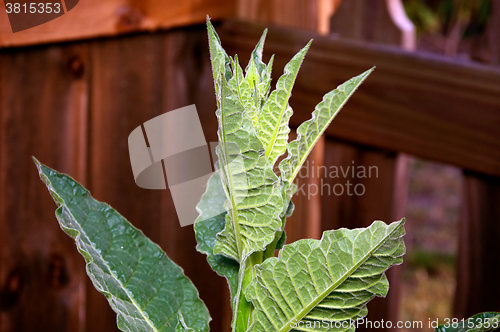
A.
x: 311, y: 283
x: 253, y: 135
x: 254, y: 199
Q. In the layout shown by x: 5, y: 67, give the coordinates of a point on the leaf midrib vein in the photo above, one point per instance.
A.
x: 236, y: 229
x: 325, y: 293
x: 107, y: 266
x: 357, y: 83
x: 270, y: 146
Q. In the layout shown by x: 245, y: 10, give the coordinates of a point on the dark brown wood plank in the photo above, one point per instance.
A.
x: 126, y: 91
x: 366, y: 20
x: 188, y: 80
x: 305, y: 221
x: 477, y: 268
x: 43, y: 113
x: 356, y: 199
x: 493, y: 33
x: 97, y: 18
x: 477, y: 289
x: 135, y: 79
x: 290, y: 13
x: 422, y: 104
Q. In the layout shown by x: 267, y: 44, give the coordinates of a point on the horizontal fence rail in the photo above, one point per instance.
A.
x: 427, y: 105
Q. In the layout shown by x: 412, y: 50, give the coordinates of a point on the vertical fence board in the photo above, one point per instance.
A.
x: 43, y: 112
x: 134, y: 80
x: 295, y: 14
x: 365, y: 20
x: 493, y: 34
x: 305, y: 221
x: 357, y: 199
x: 188, y: 80
x: 477, y: 288
x: 126, y: 92
x: 380, y: 21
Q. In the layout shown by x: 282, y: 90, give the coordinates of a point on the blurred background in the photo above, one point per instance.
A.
x: 427, y: 122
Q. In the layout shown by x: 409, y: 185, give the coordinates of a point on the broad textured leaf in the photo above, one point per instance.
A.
x: 325, y: 281
x: 143, y: 286
x: 483, y: 322
x: 311, y: 130
x: 206, y: 230
x: 272, y: 126
x: 254, y: 196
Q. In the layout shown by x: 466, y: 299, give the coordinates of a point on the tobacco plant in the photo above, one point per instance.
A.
x: 312, y: 285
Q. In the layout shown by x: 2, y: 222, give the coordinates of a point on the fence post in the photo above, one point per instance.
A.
x: 478, y: 270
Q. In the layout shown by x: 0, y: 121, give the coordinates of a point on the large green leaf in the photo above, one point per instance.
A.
x: 209, y: 223
x: 311, y: 130
x: 272, y: 125
x: 314, y: 284
x: 483, y: 322
x: 254, y: 196
x: 146, y: 289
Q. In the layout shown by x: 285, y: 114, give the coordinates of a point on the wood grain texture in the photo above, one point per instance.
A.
x: 73, y: 106
x: 135, y: 79
x: 43, y: 113
x: 188, y: 80
x: 289, y: 13
x: 126, y: 91
x: 380, y: 21
x: 422, y: 104
x: 305, y: 221
x: 96, y: 18
x: 477, y: 287
x: 360, y: 185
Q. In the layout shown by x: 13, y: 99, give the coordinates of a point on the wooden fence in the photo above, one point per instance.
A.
x: 73, y: 105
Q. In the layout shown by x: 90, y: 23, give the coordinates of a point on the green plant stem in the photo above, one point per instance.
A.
x: 269, y: 252
x: 242, y: 312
